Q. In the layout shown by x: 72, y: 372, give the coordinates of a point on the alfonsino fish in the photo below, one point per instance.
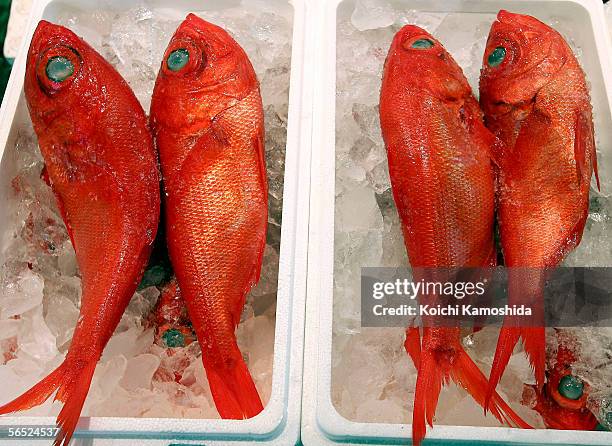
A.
x: 207, y: 117
x: 443, y: 185
x: 101, y: 164
x: 535, y: 99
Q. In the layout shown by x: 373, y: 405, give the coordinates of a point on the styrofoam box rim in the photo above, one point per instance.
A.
x: 321, y: 423
x: 279, y: 423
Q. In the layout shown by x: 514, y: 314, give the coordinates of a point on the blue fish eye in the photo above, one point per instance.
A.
x: 178, y: 59
x: 497, y: 57
x: 571, y: 387
x: 59, y: 68
x: 422, y: 44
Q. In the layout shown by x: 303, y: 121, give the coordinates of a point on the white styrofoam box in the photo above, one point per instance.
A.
x: 279, y: 423
x: 322, y: 424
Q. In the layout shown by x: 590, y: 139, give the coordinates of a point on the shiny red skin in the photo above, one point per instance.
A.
x: 208, y: 122
x: 101, y: 164
x: 537, y: 103
x: 438, y: 151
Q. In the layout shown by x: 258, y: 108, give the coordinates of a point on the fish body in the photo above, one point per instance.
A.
x: 101, y: 164
x: 207, y: 119
x: 535, y: 100
x: 443, y: 185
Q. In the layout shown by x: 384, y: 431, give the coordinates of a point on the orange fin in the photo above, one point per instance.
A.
x: 584, y: 143
x: 508, y: 337
x: 233, y: 390
x: 412, y: 344
x: 37, y: 395
x: 73, y: 393
x: 72, y: 386
x: 435, y: 370
x: 534, y: 342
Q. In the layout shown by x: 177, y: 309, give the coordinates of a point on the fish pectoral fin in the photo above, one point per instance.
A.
x: 584, y: 145
x: 497, y: 151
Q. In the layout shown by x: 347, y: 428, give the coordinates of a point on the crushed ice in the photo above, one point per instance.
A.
x: 39, y: 282
x: 372, y: 377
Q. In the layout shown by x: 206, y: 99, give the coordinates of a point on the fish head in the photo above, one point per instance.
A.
x: 62, y: 76
x: 521, y: 57
x: 204, y: 72
x: 418, y: 62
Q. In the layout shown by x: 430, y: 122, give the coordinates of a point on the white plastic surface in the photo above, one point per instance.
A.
x: 321, y: 423
x: 279, y: 423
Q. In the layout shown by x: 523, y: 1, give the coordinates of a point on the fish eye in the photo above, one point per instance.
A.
x: 59, y: 68
x: 422, y: 44
x: 496, y: 57
x: 571, y: 387
x: 178, y: 59
x: 183, y: 57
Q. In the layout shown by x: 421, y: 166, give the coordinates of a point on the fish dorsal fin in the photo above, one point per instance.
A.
x: 584, y: 145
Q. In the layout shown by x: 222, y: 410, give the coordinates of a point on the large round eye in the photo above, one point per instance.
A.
x: 57, y: 67
x: 496, y: 57
x: 178, y: 59
x: 183, y: 56
x: 422, y: 44
x: 571, y: 387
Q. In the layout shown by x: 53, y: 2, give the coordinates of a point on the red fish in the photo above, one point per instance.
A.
x: 207, y: 117
x: 536, y: 101
x: 101, y: 164
x: 443, y: 186
x: 562, y: 402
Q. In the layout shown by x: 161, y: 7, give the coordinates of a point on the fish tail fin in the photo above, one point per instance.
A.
x: 233, y: 389
x: 508, y: 337
x: 467, y: 374
x: 525, y: 287
x: 430, y: 378
x: 412, y: 344
x: 437, y: 369
x: 72, y: 386
x: 37, y: 395
x: 534, y: 342
x: 72, y: 392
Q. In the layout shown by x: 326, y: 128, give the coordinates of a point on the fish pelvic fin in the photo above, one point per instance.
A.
x: 72, y: 384
x: 233, y: 389
x: 437, y: 368
x: 584, y: 146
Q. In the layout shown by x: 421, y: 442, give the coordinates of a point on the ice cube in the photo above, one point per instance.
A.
x: 140, y: 371
x: 372, y: 14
